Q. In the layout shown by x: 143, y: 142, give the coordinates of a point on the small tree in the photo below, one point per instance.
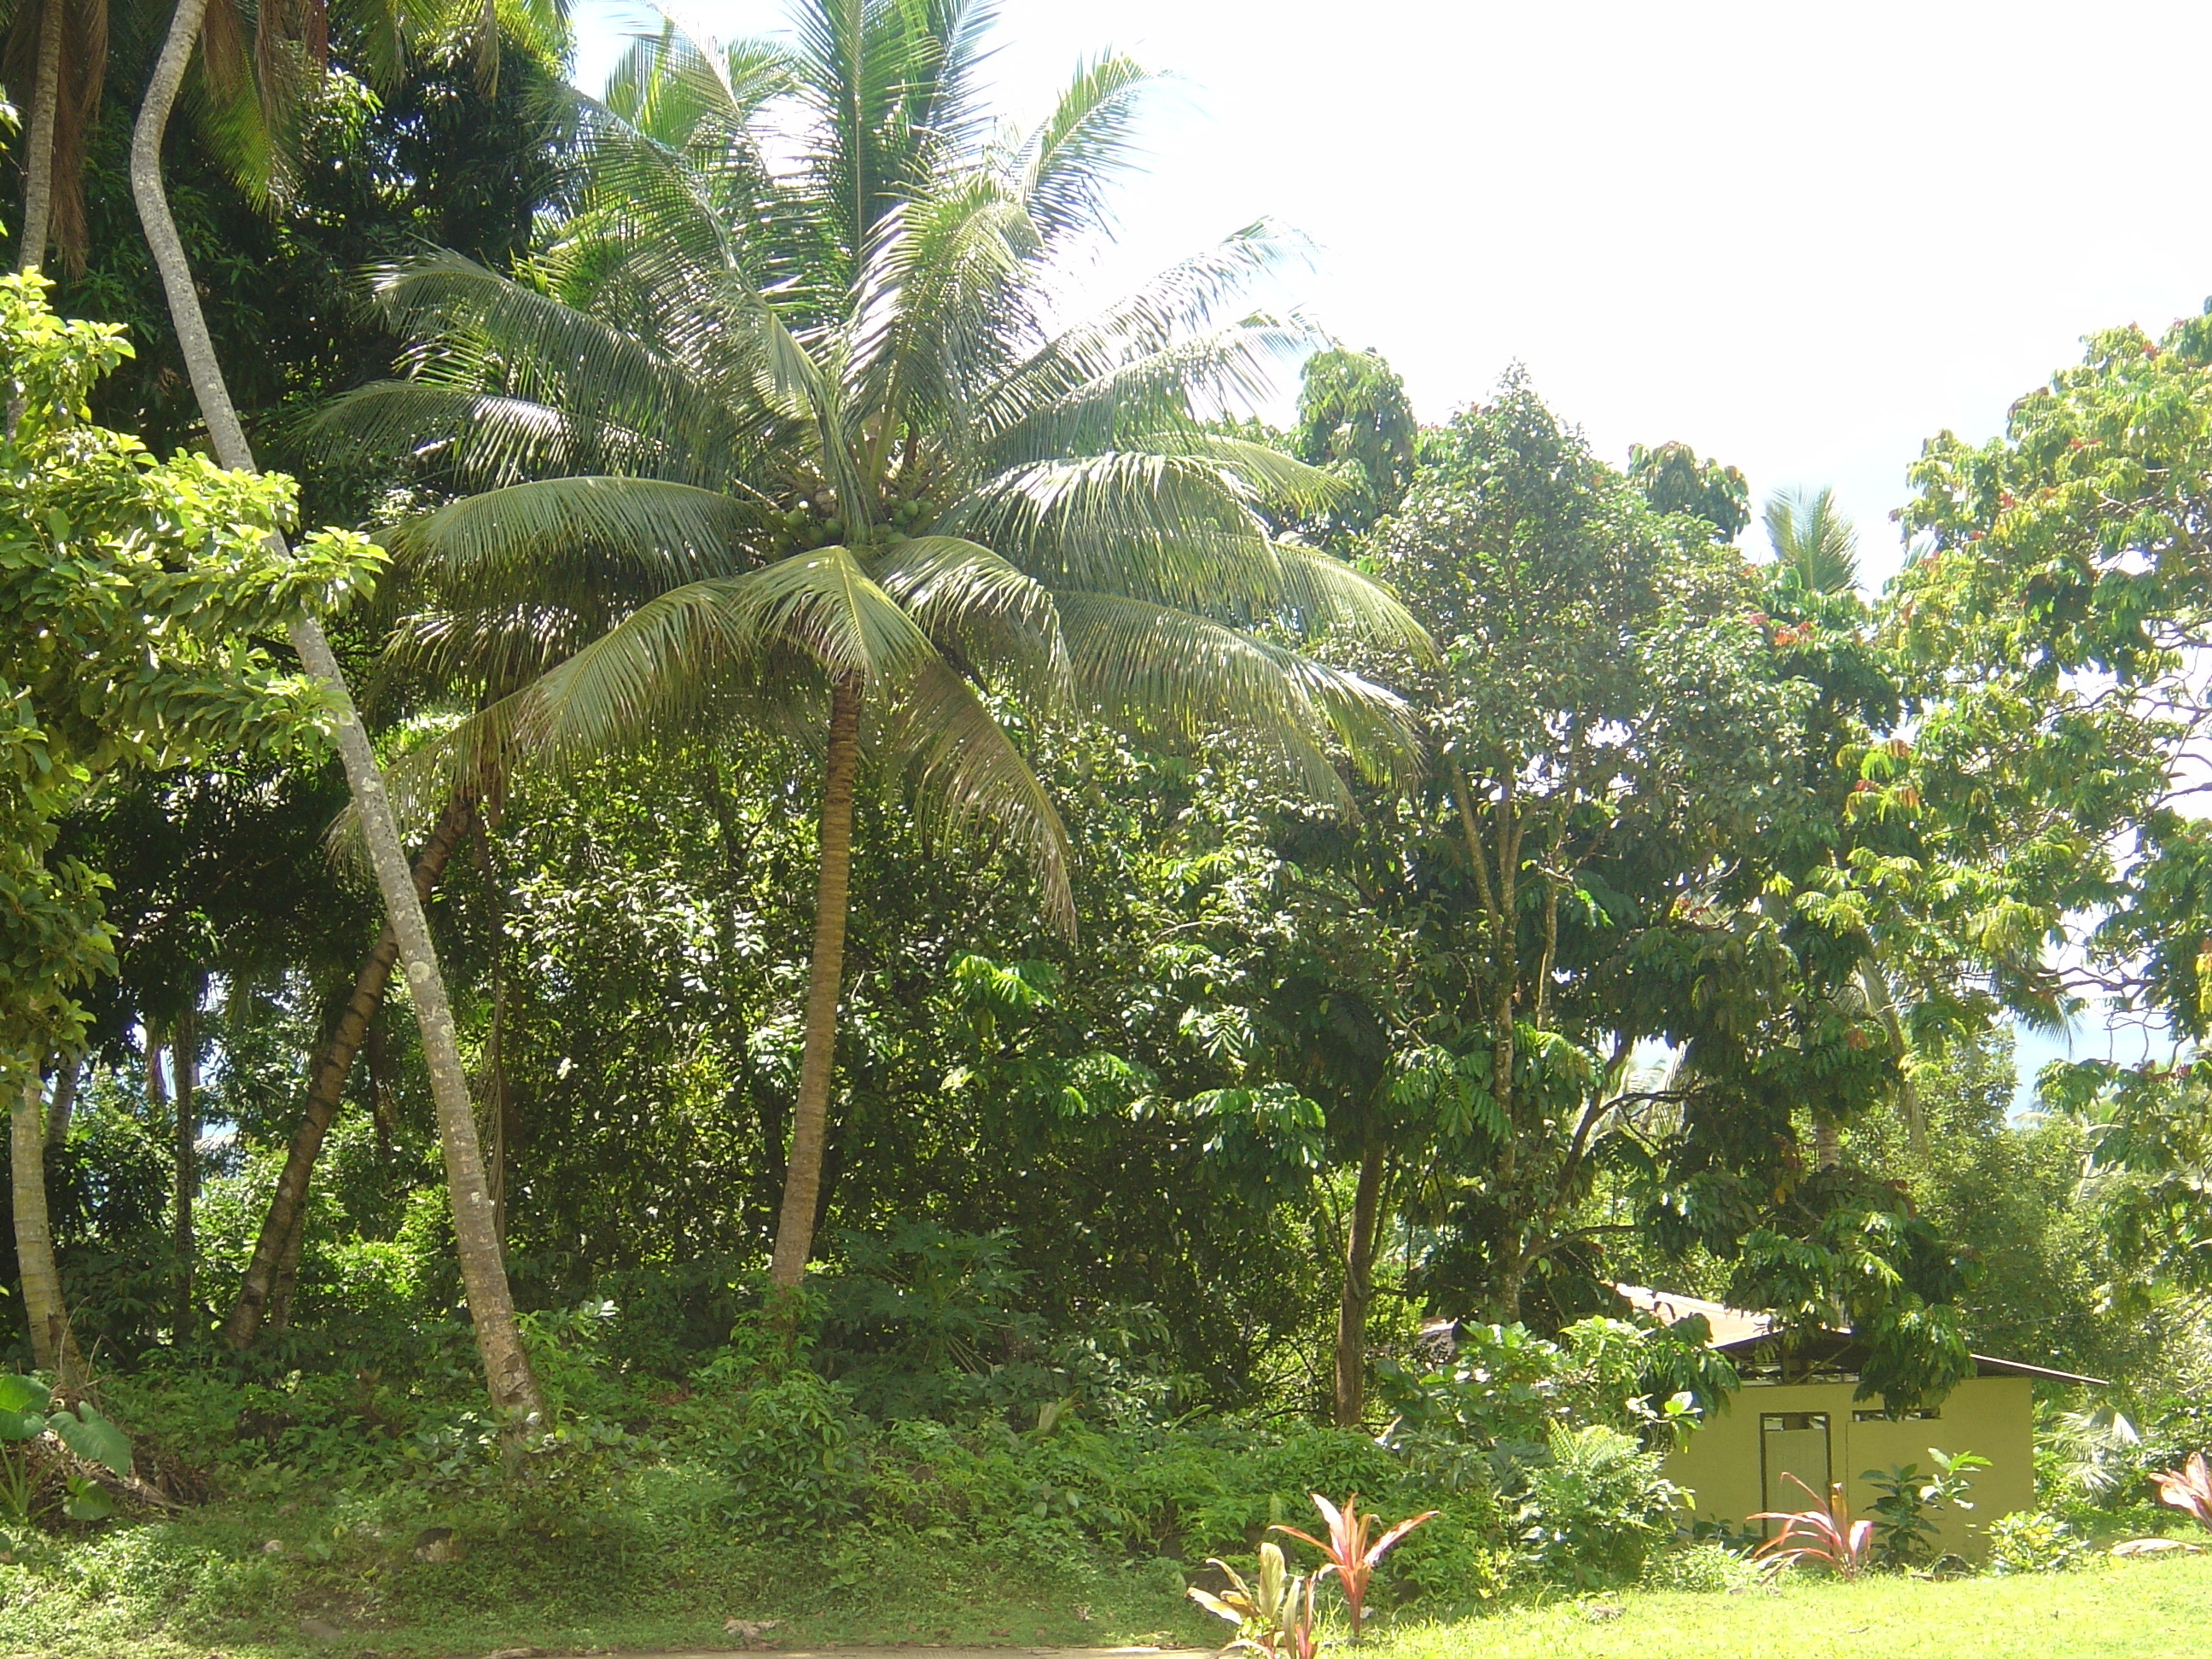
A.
x: 131, y: 591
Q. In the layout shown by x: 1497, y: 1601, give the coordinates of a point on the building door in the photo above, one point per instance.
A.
x: 1793, y: 1442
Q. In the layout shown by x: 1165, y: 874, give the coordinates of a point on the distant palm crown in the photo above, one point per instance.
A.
x: 786, y: 408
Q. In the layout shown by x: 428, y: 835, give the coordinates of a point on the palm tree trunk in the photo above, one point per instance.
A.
x: 39, y: 145
x: 67, y: 1075
x: 1359, y: 1290
x: 281, y: 1226
x: 484, y: 1275
x: 53, y: 1345
x: 184, y: 1063
x: 802, y: 1180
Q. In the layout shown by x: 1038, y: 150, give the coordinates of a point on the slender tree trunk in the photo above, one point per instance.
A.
x: 499, y: 1099
x: 376, y: 1054
x: 58, y: 1110
x: 38, y: 141
x: 483, y: 1276
x: 283, y: 1225
x: 53, y: 1345
x: 158, y: 1107
x: 1827, y: 1143
x: 184, y: 1064
x: 802, y: 1181
x: 1359, y: 1289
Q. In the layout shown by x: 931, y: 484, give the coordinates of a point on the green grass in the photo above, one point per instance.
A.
x: 2144, y: 1609
x: 346, y: 1582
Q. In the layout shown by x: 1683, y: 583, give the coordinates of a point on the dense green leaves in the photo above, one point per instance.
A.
x: 134, y: 589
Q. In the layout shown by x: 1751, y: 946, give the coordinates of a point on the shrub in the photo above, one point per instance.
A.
x: 1823, y: 1531
x: 1701, y: 1567
x: 795, y: 1454
x: 1596, y: 1507
x: 2031, y: 1540
x: 1904, y: 1528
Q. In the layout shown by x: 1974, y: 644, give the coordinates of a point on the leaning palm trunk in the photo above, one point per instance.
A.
x: 282, y: 1227
x: 53, y: 1345
x: 484, y: 1275
x: 802, y: 1180
x: 38, y: 148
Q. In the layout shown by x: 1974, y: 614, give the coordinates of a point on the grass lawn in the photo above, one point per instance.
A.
x: 2145, y: 1609
x: 336, y: 1586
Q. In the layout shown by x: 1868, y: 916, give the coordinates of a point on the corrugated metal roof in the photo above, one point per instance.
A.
x: 1738, y: 1327
x: 1729, y: 1325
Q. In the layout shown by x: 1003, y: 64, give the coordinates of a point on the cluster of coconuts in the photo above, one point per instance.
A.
x: 809, y: 523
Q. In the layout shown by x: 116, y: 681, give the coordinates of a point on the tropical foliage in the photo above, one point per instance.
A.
x: 1000, y: 971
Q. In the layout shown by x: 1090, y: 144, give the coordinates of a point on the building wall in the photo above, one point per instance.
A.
x: 1723, y: 1462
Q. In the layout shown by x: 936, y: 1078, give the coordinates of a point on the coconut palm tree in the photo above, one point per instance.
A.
x: 1813, y: 539
x: 795, y: 374
x: 484, y: 1273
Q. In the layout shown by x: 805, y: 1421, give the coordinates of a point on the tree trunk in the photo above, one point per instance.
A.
x: 53, y: 1345
x: 285, y: 1222
x: 1827, y: 1142
x: 802, y: 1181
x: 157, y: 1079
x: 499, y: 1098
x: 184, y: 1064
x: 38, y: 141
x: 483, y: 1276
x: 67, y: 1076
x: 1505, y: 1309
x: 1359, y: 1290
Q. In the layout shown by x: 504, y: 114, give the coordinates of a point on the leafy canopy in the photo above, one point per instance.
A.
x: 131, y: 594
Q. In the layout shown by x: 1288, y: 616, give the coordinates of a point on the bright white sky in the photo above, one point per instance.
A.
x: 1801, y: 237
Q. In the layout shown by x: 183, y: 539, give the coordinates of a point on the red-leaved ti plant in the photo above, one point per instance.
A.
x: 1823, y: 1533
x: 2188, y: 1489
x: 1350, y: 1557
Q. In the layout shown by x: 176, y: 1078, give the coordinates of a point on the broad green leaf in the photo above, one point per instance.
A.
x: 94, y: 1437
x: 87, y: 1501
x: 21, y: 1425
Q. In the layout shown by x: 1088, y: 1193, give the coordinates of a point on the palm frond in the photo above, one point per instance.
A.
x: 1053, y: 405
x: 971, y: 601
x: 493, y: 548
x: 826, y: 601
x: 677, y: 89
x: 1079, y: 151
x: 467, y: 438
x: 487, y: 652
x: 472, y: 327
x: 969, y: 780
x: 1325, y: 593
x: 1167, y: 678
x: 1373, y: 724
x: 1811, y: 537
x: 684, y: 653
x: 1174, y: 526
x: 931, y: 306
